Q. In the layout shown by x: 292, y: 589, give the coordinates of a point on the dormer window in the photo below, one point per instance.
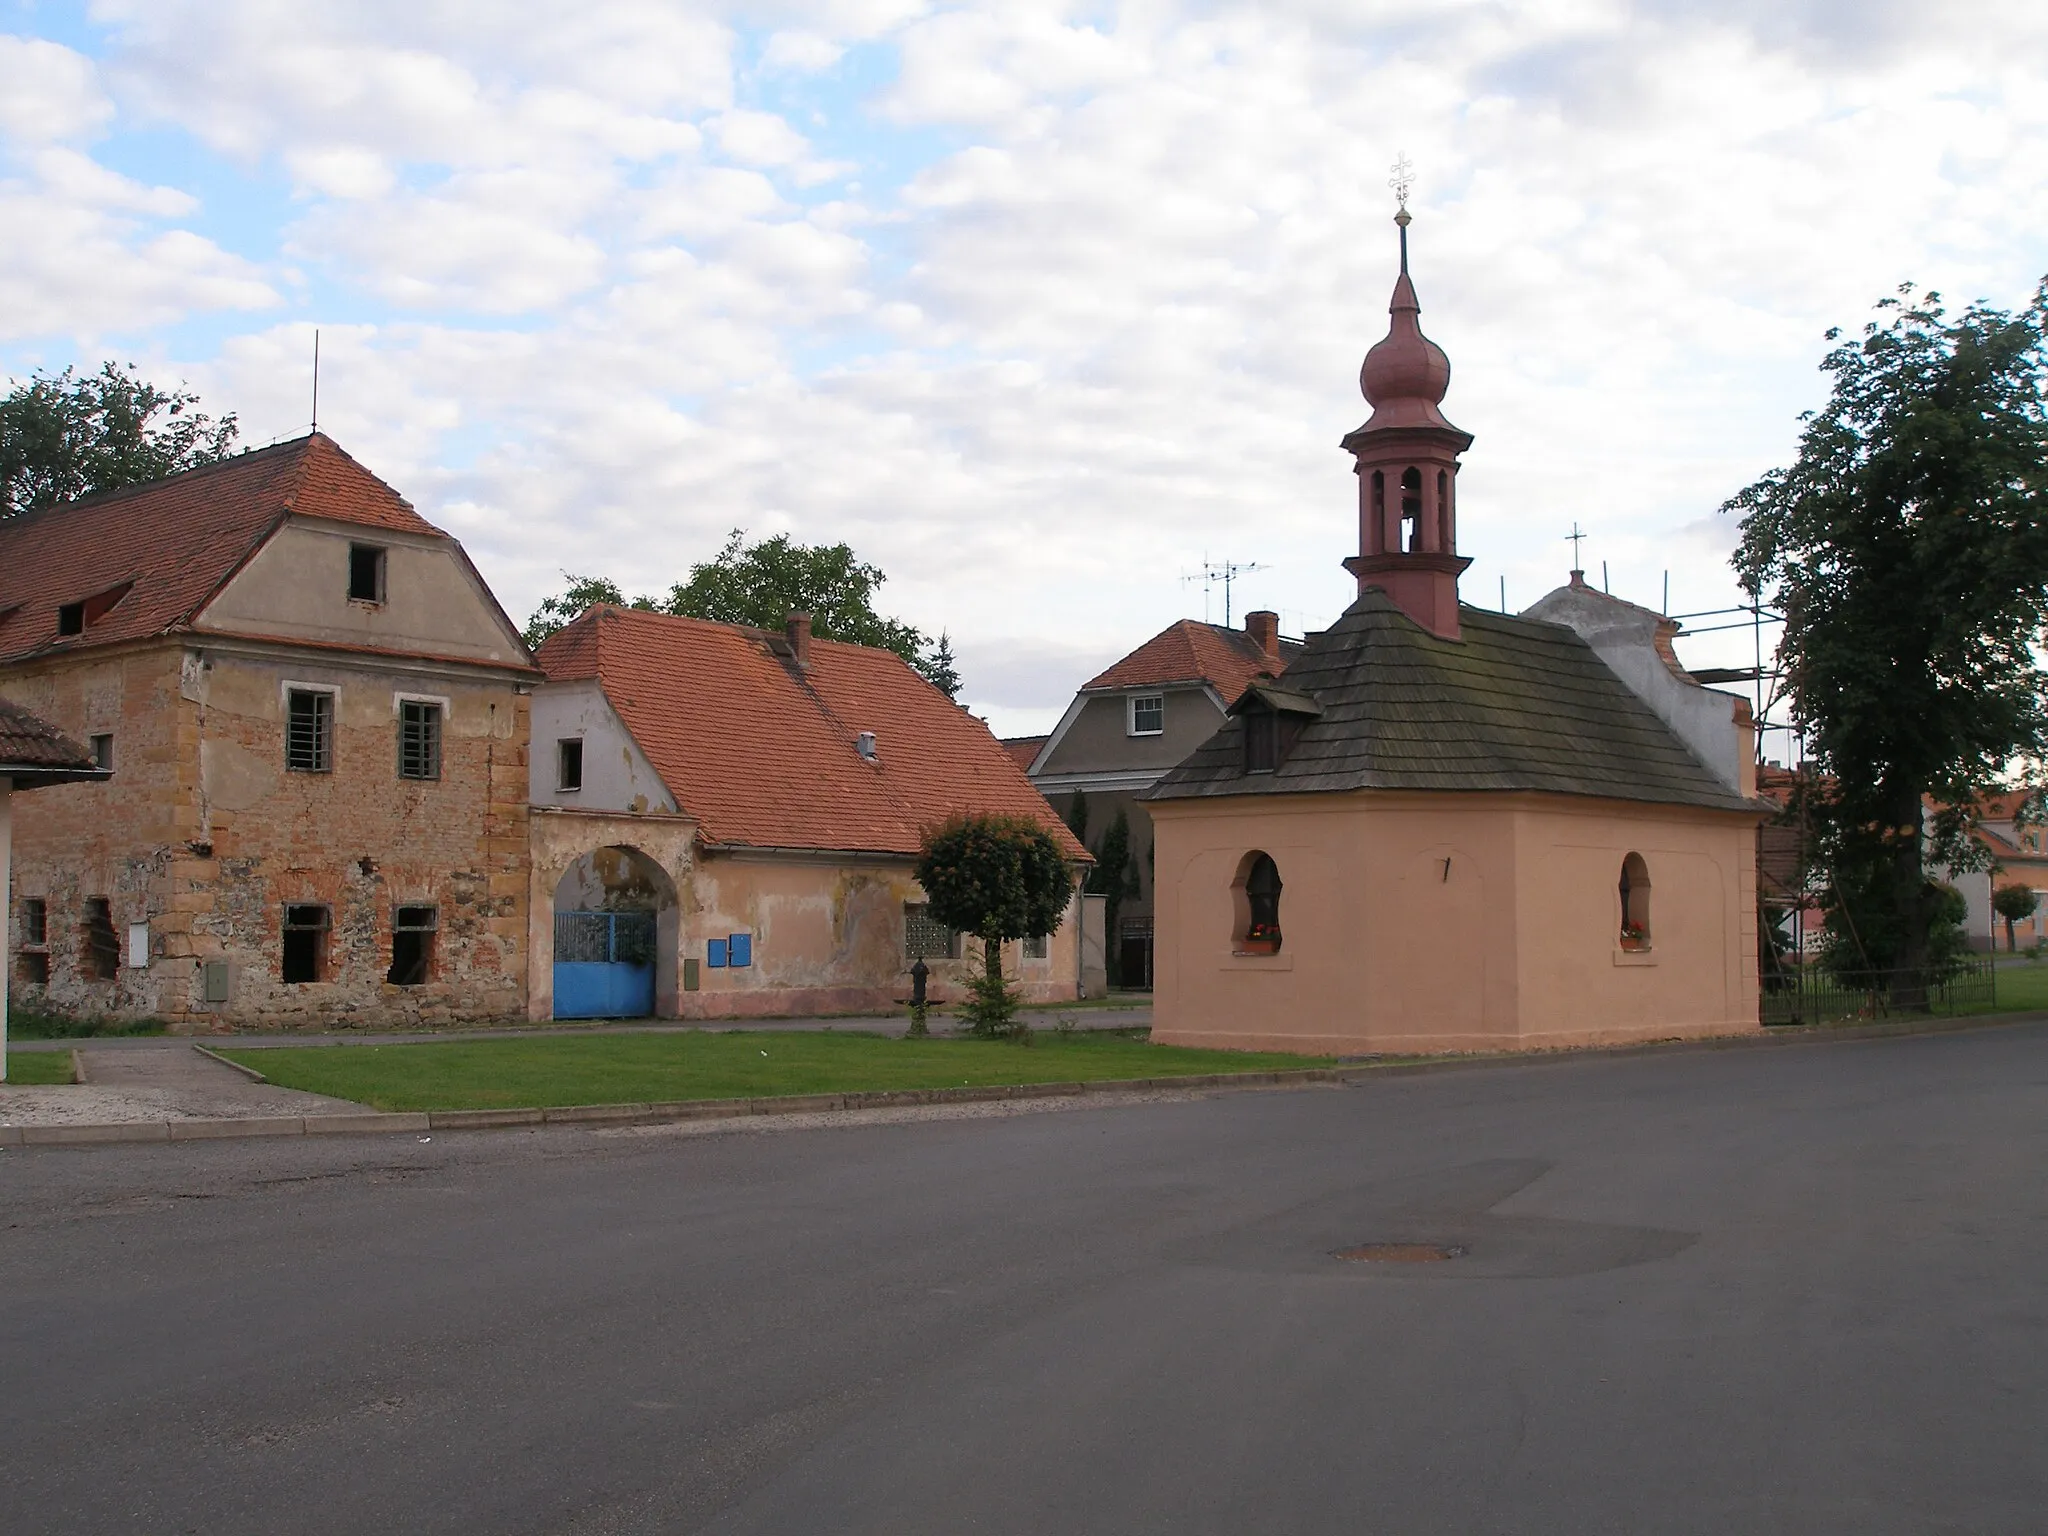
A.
x: 365, y: 573
x: 1274, y: 719
x: 1148, y: 714
x: 76, y: 618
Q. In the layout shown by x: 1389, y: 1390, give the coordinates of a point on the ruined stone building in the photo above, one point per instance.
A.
x: 726, y: 822
x: 315, y: 715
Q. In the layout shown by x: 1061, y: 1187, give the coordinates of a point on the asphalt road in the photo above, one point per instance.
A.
x: 1791, y: 1290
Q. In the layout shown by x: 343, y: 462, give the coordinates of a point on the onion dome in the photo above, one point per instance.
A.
x: 1406, y: 375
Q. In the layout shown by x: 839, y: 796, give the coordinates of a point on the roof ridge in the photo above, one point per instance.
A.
x: 122, y: 492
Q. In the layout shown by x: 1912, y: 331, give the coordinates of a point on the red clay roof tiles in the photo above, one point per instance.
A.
x: 176, y: 540
x: 1229, y: 660
x: 764, y: 753
x: 1024, y: 750
x: 29, y: 741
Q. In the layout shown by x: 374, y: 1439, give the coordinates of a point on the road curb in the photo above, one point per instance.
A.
x: 373, y: 1122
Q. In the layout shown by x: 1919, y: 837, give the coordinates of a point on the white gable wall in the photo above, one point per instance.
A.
x: 616, y: 774
x: 1625, y: 638
x: 296, y: 588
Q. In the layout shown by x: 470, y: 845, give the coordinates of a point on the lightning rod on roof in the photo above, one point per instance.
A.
x: 316, y: 378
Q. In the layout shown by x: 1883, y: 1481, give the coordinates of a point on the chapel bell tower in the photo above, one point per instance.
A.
x: 1408, y: 467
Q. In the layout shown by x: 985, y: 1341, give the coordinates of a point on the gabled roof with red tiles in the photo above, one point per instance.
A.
x: 1024, y: 750
x: 34, y: 752
x: 764, y: 754
x: 155, y: 554
x: 1228, y: 660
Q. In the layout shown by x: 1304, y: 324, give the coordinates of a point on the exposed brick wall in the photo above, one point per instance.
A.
x: 204, y: 834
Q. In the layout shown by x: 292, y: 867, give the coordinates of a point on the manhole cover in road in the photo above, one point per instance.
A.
x: 1399, y: 1253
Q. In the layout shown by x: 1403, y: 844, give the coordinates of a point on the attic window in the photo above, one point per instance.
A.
x: 569, y: 763
x: 365, y: 573
x: 1274, y: 719
x: 1148, y: 714
x: 74, y: 618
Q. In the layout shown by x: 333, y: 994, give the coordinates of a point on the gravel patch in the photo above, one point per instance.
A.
x: 86, y: 1105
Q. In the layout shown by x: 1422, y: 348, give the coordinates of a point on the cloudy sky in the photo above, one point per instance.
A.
x: 1039, y: 306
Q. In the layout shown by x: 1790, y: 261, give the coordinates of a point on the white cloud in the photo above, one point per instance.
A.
x: 757, y: 138
x: 800, y: 53
x: 48, y: 92
x: 1109, y: 326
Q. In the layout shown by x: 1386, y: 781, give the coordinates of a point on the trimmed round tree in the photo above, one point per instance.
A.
x: 999, y: 878
x: 2013, y: 902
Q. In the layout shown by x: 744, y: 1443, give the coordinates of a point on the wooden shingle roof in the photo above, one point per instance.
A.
x: 1516, y: 704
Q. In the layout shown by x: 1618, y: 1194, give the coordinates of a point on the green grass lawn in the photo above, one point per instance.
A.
x: 656, y: 1068
x: 2022, y: 988
x: 37, y: 1069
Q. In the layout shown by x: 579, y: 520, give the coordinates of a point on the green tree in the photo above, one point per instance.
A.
x: 1077, y: 817
x: 68, y: 436
x: 1114, y: 878
x: 2013, y: 902
x: 1908, y: 550
x: 761, y: 585
x: 999, y: 878
x: 938, y: 667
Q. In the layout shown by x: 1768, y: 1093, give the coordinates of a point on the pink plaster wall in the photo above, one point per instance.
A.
x: 1516, y: 946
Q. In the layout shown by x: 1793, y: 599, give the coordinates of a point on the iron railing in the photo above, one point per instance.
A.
x: 626, y: 937
x: 1812, y: 994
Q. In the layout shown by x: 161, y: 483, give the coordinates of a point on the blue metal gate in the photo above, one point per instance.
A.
x: 604, y: 965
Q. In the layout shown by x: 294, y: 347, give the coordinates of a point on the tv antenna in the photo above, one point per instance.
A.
x: 1225, y: 572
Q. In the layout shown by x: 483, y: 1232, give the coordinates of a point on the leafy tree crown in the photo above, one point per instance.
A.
x: 1908, y: 551
x: 760, y: 585
x: 67, y: 436
x: 998, y: 877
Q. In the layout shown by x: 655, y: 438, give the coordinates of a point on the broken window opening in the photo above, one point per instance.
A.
x: 102, y: 957
x: 304, y: 951
x: 412, y: 946
x: 365, y: 573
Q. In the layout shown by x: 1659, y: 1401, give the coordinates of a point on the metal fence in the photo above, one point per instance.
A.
x: 1811, y: 994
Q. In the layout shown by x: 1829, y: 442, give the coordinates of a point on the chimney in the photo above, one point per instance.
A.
x: 1263, y: 625
x: 798, y: 629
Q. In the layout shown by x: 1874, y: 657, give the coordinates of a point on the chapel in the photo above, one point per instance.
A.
x: 1443, y: 828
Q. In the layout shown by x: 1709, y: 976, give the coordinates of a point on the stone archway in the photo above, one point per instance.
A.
x: 586, y: 862
x: 615, y: 926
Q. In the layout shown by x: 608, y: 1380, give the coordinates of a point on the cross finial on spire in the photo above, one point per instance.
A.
x: 1402, y: 181
x: 1574, y: 538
